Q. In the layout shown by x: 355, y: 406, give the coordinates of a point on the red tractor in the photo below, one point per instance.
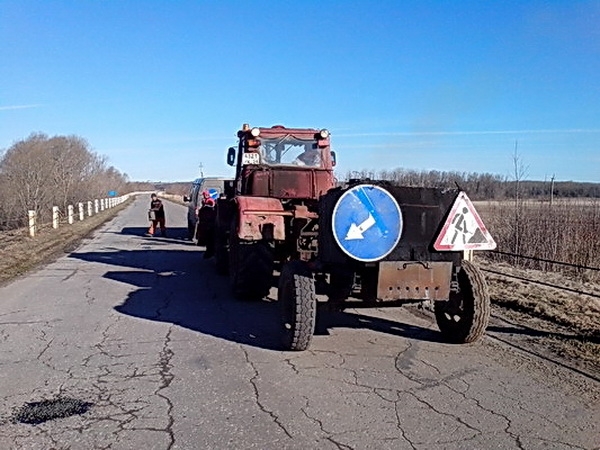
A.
x: 271, y: 215
x: 371, y: 241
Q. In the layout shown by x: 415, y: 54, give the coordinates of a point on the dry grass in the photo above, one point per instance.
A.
x: 577, y: 311
x: 21, y: 253
x: 570, y: 321
x: 566, y: 231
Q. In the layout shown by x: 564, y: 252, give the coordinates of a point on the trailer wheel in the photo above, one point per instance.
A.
x: 250, y: 269
x: 296, y: 295
x: 464, y: 317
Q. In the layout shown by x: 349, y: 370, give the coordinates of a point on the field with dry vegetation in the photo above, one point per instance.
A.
x: 546, y: 271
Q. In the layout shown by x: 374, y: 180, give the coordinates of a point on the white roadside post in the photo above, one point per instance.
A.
x: 70, y: 214
x: 96, y: 206
x: 55, y: 219
x: 89, y: 208
x: 468, y: 255
x: 81, y: 215
x: 31, y: 215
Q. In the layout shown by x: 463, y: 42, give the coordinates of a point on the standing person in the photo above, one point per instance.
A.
x: 157, y: 216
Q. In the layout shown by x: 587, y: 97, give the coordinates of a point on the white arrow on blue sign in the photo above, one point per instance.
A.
x: 367, y: 222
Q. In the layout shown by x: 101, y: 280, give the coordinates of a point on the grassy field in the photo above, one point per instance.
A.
x: 562, y: 300
x: 565, y: 231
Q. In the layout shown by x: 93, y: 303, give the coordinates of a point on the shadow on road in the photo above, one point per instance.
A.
x: 180, y: 287
x: 173, y: 234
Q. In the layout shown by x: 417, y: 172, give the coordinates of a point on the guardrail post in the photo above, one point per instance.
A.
x: 89, y: 208
x: 80, y: 205
x: 96, y: 206
x: 55, y: 219
x: 70, y: 214
x: 31, y: 215
x: 101, y: 204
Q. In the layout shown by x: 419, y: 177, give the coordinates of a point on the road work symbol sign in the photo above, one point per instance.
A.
x: 464, y: 229
x: 367, y: 222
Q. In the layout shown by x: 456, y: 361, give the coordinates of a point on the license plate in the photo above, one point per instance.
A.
x: 250, y: 158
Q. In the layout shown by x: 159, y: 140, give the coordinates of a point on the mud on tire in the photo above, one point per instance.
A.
x: 298, y: 301
x: 464, y: 317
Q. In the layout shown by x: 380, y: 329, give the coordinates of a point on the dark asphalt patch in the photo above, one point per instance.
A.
x: 38, y: 412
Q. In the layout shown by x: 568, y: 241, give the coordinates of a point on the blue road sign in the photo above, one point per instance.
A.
x: 367, y: 222
x: 213, y: 193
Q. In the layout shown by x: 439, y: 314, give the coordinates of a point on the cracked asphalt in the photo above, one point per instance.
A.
x: 144, y: 330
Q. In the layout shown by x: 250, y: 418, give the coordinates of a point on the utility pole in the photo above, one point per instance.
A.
x: 552, y: 189
x: 201, y: 172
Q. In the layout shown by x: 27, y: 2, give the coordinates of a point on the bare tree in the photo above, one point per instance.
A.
x: 39, y: 172
x: 520, y: 172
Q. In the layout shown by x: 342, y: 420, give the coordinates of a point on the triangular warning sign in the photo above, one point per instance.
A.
x: 464, y: 229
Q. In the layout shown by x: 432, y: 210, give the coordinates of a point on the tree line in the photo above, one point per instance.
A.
x: 483, y: 186
x: 40, y: 171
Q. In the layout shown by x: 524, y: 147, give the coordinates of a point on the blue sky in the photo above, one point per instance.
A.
x: 161, y: 87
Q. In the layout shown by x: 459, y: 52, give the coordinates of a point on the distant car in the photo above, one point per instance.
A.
x: 215, y: 187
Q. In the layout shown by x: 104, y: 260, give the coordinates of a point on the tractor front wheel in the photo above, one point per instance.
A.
x: 298, y: 300
x: 250, y: 268
x: 464, y: 317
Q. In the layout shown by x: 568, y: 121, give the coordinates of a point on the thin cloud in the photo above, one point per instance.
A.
x: 13, y: 107
x: 469, y: 133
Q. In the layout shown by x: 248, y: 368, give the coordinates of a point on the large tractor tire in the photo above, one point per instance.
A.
x: 296, y: 295
x: 465, y: 316
x: 250, y: 268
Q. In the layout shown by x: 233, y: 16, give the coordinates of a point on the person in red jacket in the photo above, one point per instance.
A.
x: 157, y: 216
x: 207, y: 200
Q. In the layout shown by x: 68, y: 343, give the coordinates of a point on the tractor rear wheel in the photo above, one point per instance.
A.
x: 250, y: 268
x: 298, y: 300
x: 464, y: 317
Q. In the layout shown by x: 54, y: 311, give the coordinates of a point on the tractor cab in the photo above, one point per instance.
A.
x: 284, y: 163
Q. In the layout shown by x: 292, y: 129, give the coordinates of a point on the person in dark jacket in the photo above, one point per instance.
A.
x: 157, y: 216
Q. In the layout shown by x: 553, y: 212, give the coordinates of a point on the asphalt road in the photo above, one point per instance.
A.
x: 142, y: 335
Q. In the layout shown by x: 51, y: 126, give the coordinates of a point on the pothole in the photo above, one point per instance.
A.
x: 38, y: 412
